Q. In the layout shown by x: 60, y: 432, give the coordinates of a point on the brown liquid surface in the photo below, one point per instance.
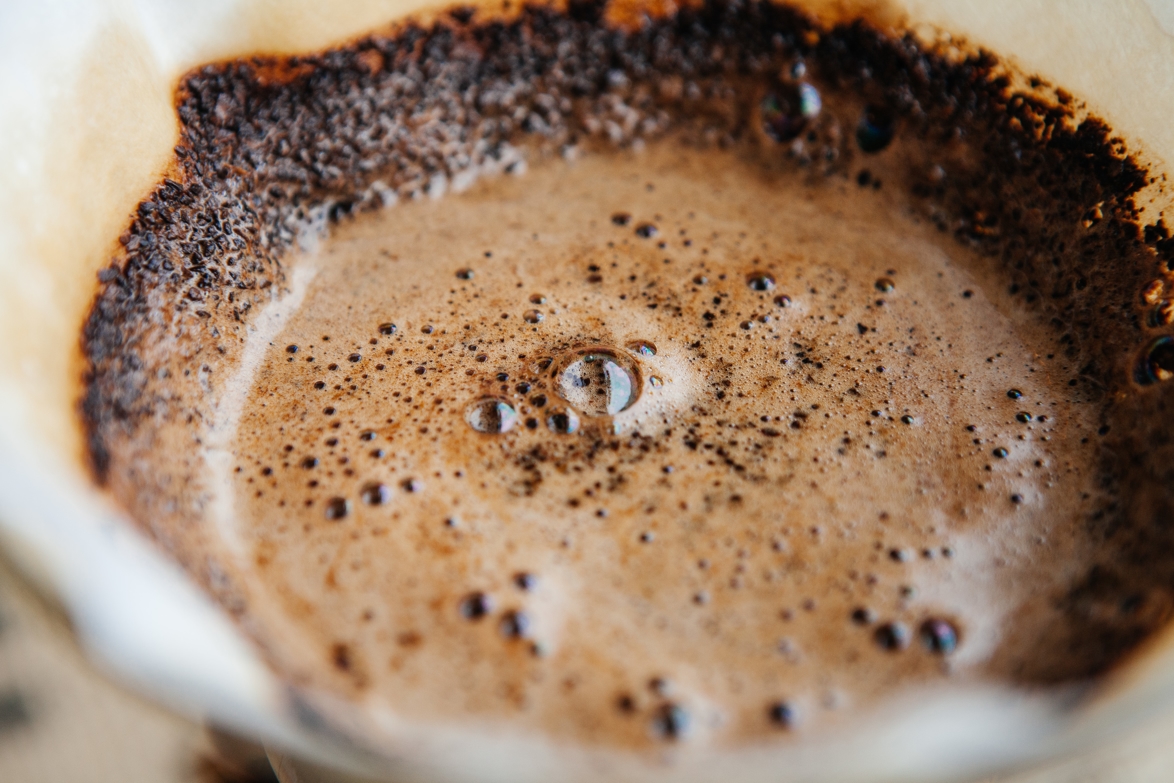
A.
x: 780, y: 467
x: 735, y: 415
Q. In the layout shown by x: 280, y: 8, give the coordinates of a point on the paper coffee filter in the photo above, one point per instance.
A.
x: 86, y: 129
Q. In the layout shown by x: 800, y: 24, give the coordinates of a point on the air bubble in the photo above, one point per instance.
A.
x: 465, y: 274
x: 564, y: 422
x: 939, y: 636
x: 491, y: 416
x: 599, y: 382
x: 375, y: 494
x: 1015, y: 394
x: 863, y: 616
x: 885, y: 285
x: 532, y: 316
x: 760, y: 281
x: 1023, y: 417
x: 642, y: 348
x: 1157, y: 362
x: 783, y: 714
x: 515, y: 625
x: 474, y: 606
x: 387, y: 329
x: 892, y: 636
x: 787, y: 109
x: 646, y: 231
x: 875, y: 130
x: 537, y: 299
x: 782, y: 300
x: 337, y: 508
x: 671, y: 721
x: 1162, y: 314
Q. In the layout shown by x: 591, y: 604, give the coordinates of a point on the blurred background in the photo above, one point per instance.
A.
x: 63, y: 722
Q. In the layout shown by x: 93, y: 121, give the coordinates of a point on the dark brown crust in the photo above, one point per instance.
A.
x: 267, y: 145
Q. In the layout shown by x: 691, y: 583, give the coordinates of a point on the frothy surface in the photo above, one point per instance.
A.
x: 820, y: 454
x: 791, y: 374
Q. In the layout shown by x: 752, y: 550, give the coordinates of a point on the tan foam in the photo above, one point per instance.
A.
x: 803, y: 497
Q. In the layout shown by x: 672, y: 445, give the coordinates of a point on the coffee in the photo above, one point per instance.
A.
x: 764, y: 373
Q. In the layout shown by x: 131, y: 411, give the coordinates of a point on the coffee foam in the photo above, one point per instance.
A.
x: 767, y: 602
x: 790, y: 465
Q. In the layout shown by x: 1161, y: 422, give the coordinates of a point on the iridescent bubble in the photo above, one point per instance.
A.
x: 491, y: 415
x: 642, y: 348
x: 1157, y: 362
x: 598, y: 382
x: 875, y: 130
x: 787, y: 109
